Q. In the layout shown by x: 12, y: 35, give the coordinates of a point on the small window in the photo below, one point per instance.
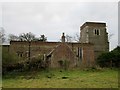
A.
x: 20, y: 54
x: 80, y: 53
x: 97, y: 32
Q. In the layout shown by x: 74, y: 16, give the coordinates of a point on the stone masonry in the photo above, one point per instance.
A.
x: 93, y: 42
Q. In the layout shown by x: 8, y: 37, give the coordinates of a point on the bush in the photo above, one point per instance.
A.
x: 110, y: 59
x: 11, y: 63
x: 8, y: 58
x: 35, y: 63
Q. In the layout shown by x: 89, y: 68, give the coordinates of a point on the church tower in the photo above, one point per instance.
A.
x: 95, y: 33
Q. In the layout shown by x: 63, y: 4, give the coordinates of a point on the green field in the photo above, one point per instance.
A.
x: 105, y: 78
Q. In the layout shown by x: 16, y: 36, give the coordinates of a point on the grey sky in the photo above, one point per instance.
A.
x: 119, y: 22
x: 53, y: 18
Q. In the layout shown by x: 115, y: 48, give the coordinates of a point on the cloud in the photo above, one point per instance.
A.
x: 53, y: 18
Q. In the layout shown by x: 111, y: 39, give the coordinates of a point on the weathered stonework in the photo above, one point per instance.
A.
x: 95, y: 33
x: 93, y: 41
x: 60, y: 51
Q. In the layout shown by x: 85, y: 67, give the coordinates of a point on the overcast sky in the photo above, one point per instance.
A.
x: 53, y: 18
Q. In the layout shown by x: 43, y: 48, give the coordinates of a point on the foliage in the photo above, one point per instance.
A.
x: 35, y: 63
x: 11, y: 63
x: 43, y: 38
x: 8, y: 58
x: 110, y: 59
x: 8, y: 61
x: 26, y: 37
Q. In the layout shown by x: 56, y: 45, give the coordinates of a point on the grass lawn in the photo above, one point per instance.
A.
x: 105, y: 78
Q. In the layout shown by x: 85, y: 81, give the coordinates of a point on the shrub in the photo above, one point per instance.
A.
x: 11, y: 63
x: 8, y: 58
x: 36, y: 63
x: 110, y: 59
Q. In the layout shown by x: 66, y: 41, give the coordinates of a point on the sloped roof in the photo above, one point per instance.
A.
x: 57, y: 48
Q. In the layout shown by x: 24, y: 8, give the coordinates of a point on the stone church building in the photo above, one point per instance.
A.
x: 93, y: 42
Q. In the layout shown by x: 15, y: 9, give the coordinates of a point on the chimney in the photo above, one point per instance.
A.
x: 63, y: 37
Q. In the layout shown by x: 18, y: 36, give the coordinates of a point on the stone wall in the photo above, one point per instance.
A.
x: 96, y: 33
x: 77, y: 54
x: 63, y: 57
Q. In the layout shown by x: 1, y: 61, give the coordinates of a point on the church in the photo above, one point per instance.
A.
x: 93, y: 41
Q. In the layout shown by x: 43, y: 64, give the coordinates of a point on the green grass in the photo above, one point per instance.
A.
x: 105, y: 78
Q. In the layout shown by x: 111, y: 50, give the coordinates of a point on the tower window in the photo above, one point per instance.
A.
x: 20, y: 54
x: 97, y: 32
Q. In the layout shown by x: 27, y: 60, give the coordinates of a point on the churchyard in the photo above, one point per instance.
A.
x: 57, y: 78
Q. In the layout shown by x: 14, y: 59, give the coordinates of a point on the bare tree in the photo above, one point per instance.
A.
x: 2, y: 35
x: 110, y: 36
x: 76, y: 37
x: 27, y: 37
x: 68, y: 38
x: 12, y: 37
